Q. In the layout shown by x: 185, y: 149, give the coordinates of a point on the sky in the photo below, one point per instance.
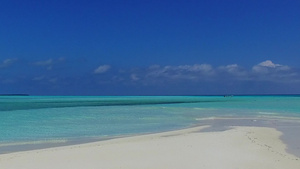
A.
x: 149, y: 47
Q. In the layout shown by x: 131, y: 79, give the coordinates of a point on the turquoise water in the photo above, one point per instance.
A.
x: 37, y: 118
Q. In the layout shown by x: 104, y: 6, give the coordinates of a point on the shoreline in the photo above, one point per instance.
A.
x: 244, y: 147
x: 290, y: 127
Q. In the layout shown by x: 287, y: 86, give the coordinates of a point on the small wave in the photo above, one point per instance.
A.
x: 33, y: 142
x: 198, y: 108
x: 206, y: 118
x: 268, y: 113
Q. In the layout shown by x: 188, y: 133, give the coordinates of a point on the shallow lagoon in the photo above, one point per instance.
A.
x: 39, y: 121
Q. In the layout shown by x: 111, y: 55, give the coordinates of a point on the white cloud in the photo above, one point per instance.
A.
x: 38, y: 78
x: 161, y: 74
x: 230, y: 68
x: 180, y: 71
x: 268, y: 66
x: 195, y: 68
x: 49, y: 63
x: 268, y: 63
x: 102, y: 69
x: 264, y: 71
x: 43, y: 79
x: 269, y: 71
x: 45, y: 63
x: 206, y: 73
x: 233, y: 69
x: 7, y: 62
x: 134, y: 77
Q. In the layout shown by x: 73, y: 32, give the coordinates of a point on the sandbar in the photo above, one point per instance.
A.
x: 237, y: 147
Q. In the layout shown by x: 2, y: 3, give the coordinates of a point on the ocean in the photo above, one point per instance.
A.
x: 29, y: 121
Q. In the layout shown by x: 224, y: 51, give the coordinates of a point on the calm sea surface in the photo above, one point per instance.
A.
x: 33, y: 119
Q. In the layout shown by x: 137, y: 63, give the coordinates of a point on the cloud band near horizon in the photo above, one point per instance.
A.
x: 154, y: 75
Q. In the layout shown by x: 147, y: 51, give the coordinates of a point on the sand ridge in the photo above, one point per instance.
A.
x: 238, y: 147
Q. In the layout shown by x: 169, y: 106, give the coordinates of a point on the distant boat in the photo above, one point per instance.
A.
x: 228, y: 95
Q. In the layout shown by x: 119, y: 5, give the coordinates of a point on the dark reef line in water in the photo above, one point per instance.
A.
x: 62, y: 104
x: 14, y: 94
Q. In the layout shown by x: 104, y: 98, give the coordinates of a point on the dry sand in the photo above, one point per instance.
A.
x: 239, y: 147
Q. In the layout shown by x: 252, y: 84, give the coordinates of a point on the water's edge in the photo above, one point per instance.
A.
x: 289, y: 127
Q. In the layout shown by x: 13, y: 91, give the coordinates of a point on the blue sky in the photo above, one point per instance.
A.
x: 147, y: 47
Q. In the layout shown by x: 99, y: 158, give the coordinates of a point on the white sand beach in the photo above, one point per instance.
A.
x: 239, y: 147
